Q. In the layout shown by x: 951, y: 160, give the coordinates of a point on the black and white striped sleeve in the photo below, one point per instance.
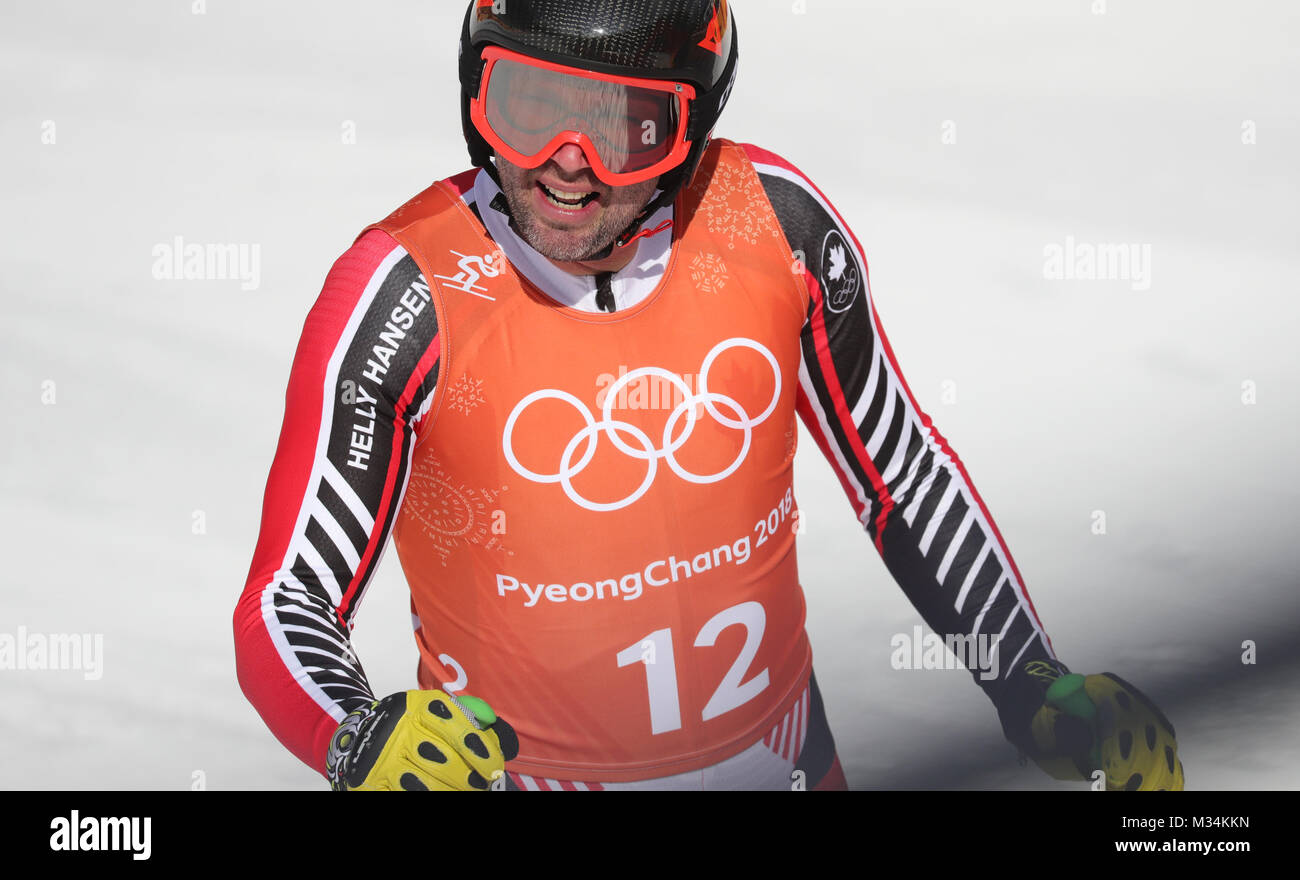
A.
x: 362, y: 378
x: 908, y: 487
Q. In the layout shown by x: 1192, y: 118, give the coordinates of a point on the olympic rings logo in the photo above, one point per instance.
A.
x: 645, y: 448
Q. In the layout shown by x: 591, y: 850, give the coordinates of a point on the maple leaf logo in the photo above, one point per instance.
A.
x: 838, y: 263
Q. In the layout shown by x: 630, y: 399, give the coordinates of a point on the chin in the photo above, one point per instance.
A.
x: 560, y: 247
x: 569, y: 255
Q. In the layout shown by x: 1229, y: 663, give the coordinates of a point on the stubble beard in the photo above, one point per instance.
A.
x: 567, y: 245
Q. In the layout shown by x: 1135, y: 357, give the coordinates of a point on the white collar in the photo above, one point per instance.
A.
x: 630, y: 285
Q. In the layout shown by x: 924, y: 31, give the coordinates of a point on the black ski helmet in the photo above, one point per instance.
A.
x: 691, y: 41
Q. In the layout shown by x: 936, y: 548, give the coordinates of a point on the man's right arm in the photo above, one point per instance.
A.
x: 363, y: 376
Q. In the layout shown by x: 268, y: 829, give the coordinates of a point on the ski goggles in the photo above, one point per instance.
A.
x: 630, y: 129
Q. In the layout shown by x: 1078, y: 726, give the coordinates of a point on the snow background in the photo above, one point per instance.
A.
x: 1071, y: 396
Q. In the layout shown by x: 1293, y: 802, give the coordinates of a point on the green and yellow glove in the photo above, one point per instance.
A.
x: 420, y: 741
x: 1101, y: 722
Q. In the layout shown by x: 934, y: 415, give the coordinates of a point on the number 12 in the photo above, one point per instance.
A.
x: 655, y: 652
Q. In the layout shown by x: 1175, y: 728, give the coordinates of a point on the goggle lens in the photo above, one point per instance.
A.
x: 632, y: 127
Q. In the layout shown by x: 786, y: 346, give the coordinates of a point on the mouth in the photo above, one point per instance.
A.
x: 567, y: 198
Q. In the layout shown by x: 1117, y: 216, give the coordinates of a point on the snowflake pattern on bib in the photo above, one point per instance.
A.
x: 451, y: 514
x: 728, y: 199
x: 465, y: 394
x: 708, y: 272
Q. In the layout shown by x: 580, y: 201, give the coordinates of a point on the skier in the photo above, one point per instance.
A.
x: 565, y: 382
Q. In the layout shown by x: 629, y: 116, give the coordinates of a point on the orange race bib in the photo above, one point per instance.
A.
x: 599, y: 526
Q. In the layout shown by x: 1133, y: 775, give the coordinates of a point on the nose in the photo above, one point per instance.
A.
x: 571, y: 160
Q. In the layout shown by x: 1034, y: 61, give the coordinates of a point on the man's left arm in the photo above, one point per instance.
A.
x: 907, y: 486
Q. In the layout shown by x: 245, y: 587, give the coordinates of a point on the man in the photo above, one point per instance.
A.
x: 566, y: 383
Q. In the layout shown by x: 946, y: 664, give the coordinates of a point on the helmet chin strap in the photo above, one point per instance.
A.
x: 634, y: 230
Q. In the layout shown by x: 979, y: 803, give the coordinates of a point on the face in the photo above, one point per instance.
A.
x: 563, y: 210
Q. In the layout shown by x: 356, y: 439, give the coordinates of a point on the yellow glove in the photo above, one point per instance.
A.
x: 1101, y: 722
x: 420, y: 741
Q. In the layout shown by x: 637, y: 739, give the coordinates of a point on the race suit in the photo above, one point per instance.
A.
x: 589, y: 483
